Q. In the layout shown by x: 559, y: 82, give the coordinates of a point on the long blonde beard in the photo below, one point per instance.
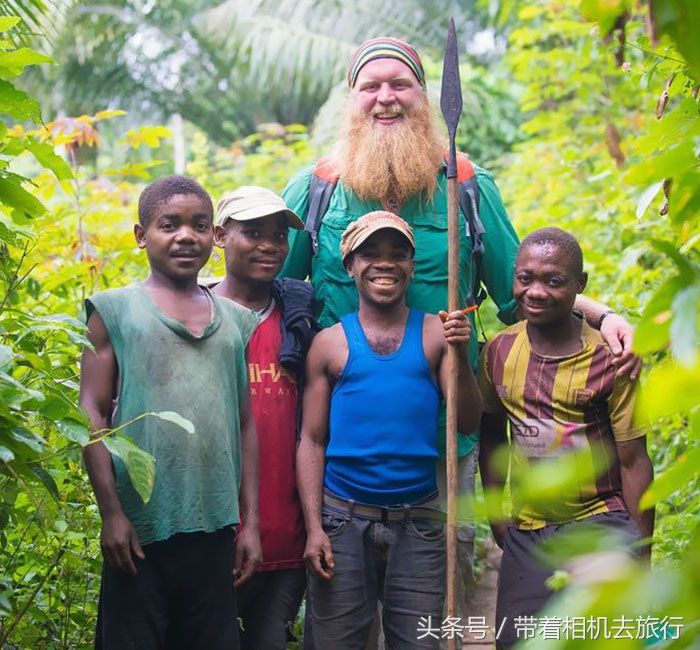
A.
x: 390, y: 163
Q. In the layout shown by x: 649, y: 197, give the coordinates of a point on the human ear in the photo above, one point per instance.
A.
x: 583, y: 281
x: 220, y: 235
x: 140, y: 235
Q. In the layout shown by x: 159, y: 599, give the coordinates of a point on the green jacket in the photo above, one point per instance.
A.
x: 335, y: 290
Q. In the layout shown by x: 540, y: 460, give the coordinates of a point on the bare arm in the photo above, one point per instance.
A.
x: 616, y: 332
x: 493, y: 477
x: 248, y: 549
x: 637, y: 473
x: 98, y: 376
x: 311, y: 454
x: 457, y: 332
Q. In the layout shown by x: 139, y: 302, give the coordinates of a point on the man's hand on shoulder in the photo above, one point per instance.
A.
x: 619, y: 334
x: 120, y: 543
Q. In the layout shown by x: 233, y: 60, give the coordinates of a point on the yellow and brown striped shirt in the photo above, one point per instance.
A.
x: 557, y: 405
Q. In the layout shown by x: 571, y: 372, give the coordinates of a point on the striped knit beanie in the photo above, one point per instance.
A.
x: 385, y: 48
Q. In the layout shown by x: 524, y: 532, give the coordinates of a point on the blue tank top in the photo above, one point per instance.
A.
x: 383, y: 420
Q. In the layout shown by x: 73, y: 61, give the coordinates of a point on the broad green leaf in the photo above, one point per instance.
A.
x: 653, y: 330
x: 646, y: 197
x: 29, y: 438
x: 679, y: 19
x: 175, y: 418
x: 13, y: 63
x: 685, y: 337
x: 604, y: 12
x: 684, y: 470
x: 14, y: 196
x: 46, y: 479
x: 6, y: 455
x: 140, y: 465
x: 8, y: 22
x: 108, y: 114
x: 16, y: 103
x: 670, y: 389
x: 139, y: 170
x: 147, y: 135
x: 686, y: 270
x: 74, y: 431
x: 694, y: 423
x: 7, y: 235
x: 54, y: 408
x: 48, y: 158
x: 6, y: 355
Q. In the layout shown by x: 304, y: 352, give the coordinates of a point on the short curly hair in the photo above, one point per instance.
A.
x: 557, y: 237
x: 164, y: 189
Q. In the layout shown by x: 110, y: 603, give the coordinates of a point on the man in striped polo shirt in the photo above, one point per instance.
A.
x: 552, y: 377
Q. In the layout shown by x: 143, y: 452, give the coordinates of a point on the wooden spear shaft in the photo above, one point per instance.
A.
x: 452, y: 387
x: 451, y: 106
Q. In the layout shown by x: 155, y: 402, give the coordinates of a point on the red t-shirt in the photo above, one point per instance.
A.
x: 273, y: 393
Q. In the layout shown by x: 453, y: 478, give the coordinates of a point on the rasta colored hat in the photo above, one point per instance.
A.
x: 359, y: 231
x: 385, y: 48
x: 252, y: 202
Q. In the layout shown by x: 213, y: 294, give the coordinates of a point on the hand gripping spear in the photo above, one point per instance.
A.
x: 451, y: 106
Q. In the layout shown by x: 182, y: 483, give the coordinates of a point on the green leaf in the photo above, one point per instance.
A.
x: 48, y: 158
x: 13, y: 195
x: 694, y: 423
x: 73, y: 430
x: 46, y: 479
x: 684, y: 266
x: 683, y: 472
x: 13, y: 63
x: 140, y: 465
x: 60, y: 525
x: 8, y: 22
x: 679, y: 19
x: 646, y: 197
x: 670, y: 389
x: 604, y: 12
x: 6, y: 455
x: 6, y: 355
x: 653, y: 330
x: 139, y: 170
x: 18, y: 104
x: 175, y: 418
x: 685, y: 340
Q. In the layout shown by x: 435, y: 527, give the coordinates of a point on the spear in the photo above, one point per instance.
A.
x: 451, y: 106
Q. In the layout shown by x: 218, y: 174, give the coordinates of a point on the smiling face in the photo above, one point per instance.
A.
x: 382, y: 267
x: 385, y: 90
x: 545, y: 283
x: 178, y: 237
x: 255, y: 249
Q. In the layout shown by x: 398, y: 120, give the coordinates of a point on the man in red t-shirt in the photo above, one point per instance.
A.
x: 252, y: 225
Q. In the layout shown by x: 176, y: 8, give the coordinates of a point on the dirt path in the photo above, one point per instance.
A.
x: 483, y: 602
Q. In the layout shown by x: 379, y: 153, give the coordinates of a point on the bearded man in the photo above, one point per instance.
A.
x: 389, y: 156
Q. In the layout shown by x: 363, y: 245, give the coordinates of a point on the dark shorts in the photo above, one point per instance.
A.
x: 267, y: 605
x: 181, y: 597
x: 522, y: 589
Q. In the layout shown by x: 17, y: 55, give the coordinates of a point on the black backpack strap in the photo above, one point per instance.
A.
x: 469, y: 203
x: 323, y: 184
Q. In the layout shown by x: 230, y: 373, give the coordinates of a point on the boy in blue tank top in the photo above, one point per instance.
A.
x: 169, y: 344
x: 366, y: 462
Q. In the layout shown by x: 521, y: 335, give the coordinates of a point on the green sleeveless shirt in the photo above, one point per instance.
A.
x: 164, y: 367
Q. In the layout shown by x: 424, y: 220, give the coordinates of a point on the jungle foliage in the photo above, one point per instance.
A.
x: 605, y: 96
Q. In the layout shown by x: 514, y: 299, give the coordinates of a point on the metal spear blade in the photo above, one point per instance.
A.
x: 451, y: 95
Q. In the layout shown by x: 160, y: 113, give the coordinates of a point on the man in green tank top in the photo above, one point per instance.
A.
x: 168, y: 344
